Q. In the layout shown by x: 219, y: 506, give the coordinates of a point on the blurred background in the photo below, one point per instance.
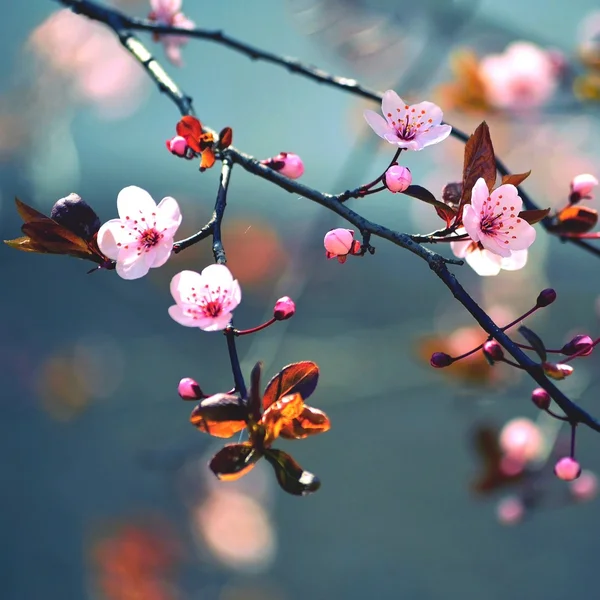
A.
x: 105, y: 489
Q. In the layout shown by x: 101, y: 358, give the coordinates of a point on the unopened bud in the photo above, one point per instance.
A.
x: 397, y: 178
x: 439, y: 360
x: 557, y: 371
x: 452, y: 193
x: 541, y: 398
x: 582, y: 186
x: 189, y: 390
x: 580, y: 343
x: 287, y: 164
x: 76, y: 215
x: 177, y: 146
x: 567, y: 469
x: 546, y: 297
x: 284, y: 309
x: 493, y: 350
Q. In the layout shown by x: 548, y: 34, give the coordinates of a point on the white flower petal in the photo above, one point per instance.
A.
x: 217, y: 276
x: 490, y: 243
x: 182, y: 284
x: 133, y: 267
x: 168, y: 216
x: 108, y: 236
x: 479, y: 195
x: 524, y: 235
x: 461, y: 248
x: 508, y: 195
x: 392, y: 106
x: 471, y: 222
x: 377, y: 123
x: 177, y: 313
x: 517, y: 260
x: 214, y: 324
x: 160, y: 254
x: 484, y: 263
x: 234, y: 297
x: 133, y: 202
x: 434, y: 136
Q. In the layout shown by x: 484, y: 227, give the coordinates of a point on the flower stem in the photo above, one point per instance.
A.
x: 238, y: 378
x: 238, y: 332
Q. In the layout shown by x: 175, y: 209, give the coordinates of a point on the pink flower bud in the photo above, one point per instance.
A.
x: 585, y: 487
x: 287, y: 164
x: 567, y: 469
x: 189, y: 390
x: 510, y: 510
x: 439, y: 360
x: 583, y: 184
x: 557, y: 371
x: 284, y: 309
x: 546, y: 297
x: 398, y: 178
x: 177, y: 146
x: 580, y: 343
x: 339, y: 243
x: 541, y: 398
x: 493, y: 350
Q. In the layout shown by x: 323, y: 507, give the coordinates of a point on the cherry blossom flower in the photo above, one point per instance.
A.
x: 339, y: 243
x: 409, y: 127
x: 484, y: 262
x: 585, y: 487
x: 523, y: 77
x: 142, y: 237
x: 168, y: 12
x: 583, y: 185
x: 205, y: 300
x: 567, y: 469
x: 521, y: 440
x: 493, y: 219
x: 510, y: 510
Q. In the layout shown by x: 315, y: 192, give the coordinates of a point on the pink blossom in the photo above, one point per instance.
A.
x: 523, y: 77
x: 410, y: 127
x: 142, y: 237
x: 339, y: 243
x: 178, y: 146
x: 287, y: 164
x: 585, y: 487
x: 582, y: 185
x: 205, y: 300
x: 484, y: 262
x: 398, y: 178
x: 168, y: 12
x: 284, y: 309
x: 510, y: 510
x: 567, y: 469
x: 521, y: 440
x: 494, y: 219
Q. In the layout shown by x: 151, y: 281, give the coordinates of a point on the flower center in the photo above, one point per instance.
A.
x: 490, y: 225
x: 149, y: 238
x: 212, y: 309
x: 406, y: 130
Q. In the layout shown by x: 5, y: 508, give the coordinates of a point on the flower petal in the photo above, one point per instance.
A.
x: 471, y: 222
x: 218, y: 276
x: 479, y: 195
x: 392, y: 107
x: 508, y: 194
x: 517, y: 260
x: 131, y: 264
x: 432, y: 111
x: 233, y: 461
x: 434, y: 136
x: 107, y: 238
x: 181, y: 316
x: 133, y: 201
x: 290, y: 475
x: 183, y: 285
x: 483, y: 262
x: 160, y: 254
x: 491, y: 243
x: 377, y: 123
x: 168, y: 216
x: 214, y: 323
x: 524, y: 235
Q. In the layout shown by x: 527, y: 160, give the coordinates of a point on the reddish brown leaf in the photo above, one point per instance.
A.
x: 576, y: 219
x: 208, y: 159
x: 297, y: 378
x: 254, y: 398
x: 221, y: 415
x: 290, y: 475
x: 27, y: 212
x: 534, y: 216
x: 225, y: 138
x: 189, y: 127
x: 281, y: 413
x: 25, y: 244
x: 310, y: 422
x: 479, y: 162
x: 446, y: 213
x: 233, y: 461
x: 515, y: 179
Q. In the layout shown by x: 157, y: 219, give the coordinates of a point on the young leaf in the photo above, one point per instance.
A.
x: 225, y: 138
x: 297, y: 378
x: 233, y: 461
x: 311, y: 421
x: 221, y: 415
x: 480, y: 161
x: 420, y: 193
x: 575, y: 219
x: 515, y: 179
x: 290, y: 475
x: 534, y: 216
x: 534, y: 341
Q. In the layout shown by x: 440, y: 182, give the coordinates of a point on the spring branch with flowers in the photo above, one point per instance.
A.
x: 488, y: 226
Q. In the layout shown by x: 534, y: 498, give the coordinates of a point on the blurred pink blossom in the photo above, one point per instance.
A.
x: 521, y: 440
x: 583, y: 185
x: 567, y: 469
x: 493, y: 219
x: 522, y: 77
x: 168, y: 12
x: 205, y: 300
x: 585, y: 487
x: 510, y: 510
x: 142, y: 237
x: 409, y: 127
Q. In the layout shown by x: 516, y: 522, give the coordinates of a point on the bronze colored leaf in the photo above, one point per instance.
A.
x: 534, y: 341
x: 515, y: 179
x: 189, y: 127
x: 446, y: 213
x: 480, y: 161
x: 310, y: 422
x: 576, y: 219
x: 221, y: 415
x: 290, y: 475
x: 254, y: 399
x: 207, y: 160
x: 25, y: 244
x: 297, y: 378
x: 28, y: 213
x: 233, y: 461
x: 225, y: 138
x: 281, y: 413
x: 534, y: 216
